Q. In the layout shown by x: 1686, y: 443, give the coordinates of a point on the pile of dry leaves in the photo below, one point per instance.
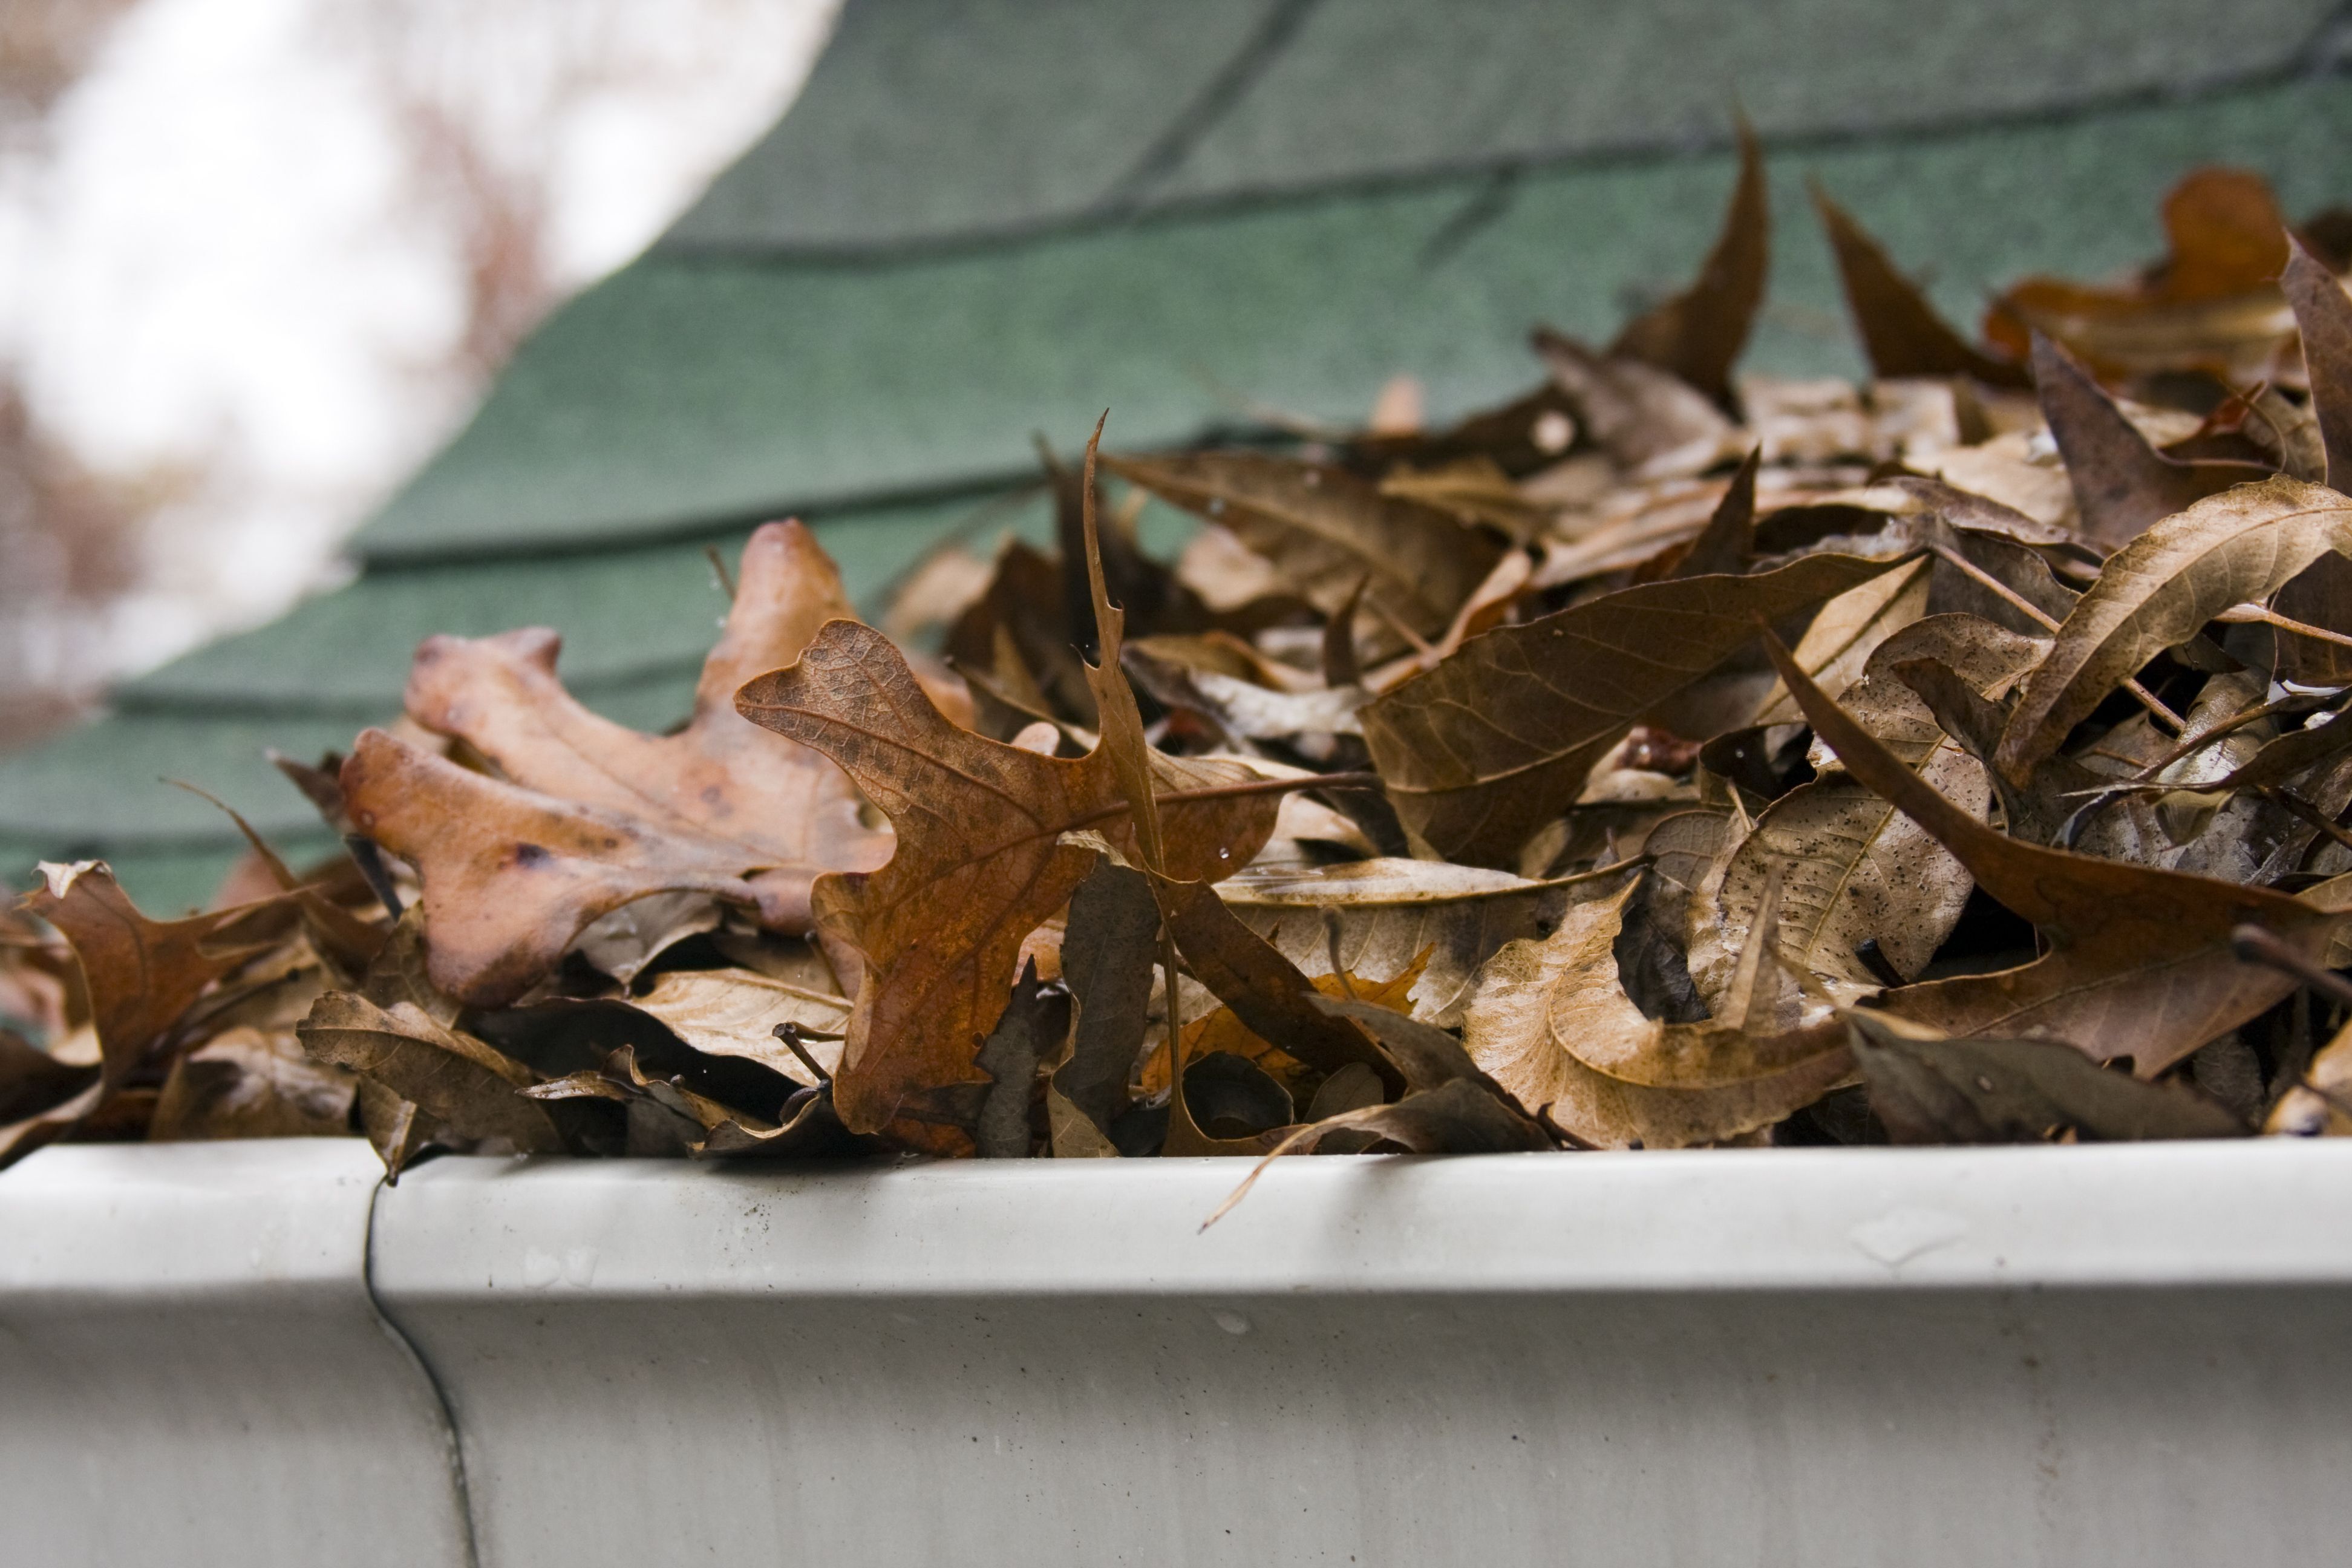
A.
x: 1661, y: 759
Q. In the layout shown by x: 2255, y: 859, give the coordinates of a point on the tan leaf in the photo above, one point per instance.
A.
x: 2162, y: 589
x: 1854, y: 868
x: 1440, y: 921
x: 1849, y: 629
x: 734, y: 1013
x: 511, y: 878
x: 1551, y: 1024
x: 786, y: 808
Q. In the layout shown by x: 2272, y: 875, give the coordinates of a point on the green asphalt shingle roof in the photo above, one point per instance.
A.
x: 995, y: 217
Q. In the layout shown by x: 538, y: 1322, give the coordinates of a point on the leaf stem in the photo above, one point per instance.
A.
x: 2257, y: 614
x: 790, y: 1033
x: 1231, y: 792
x: 2026, y: 607
x: 2257, y: 944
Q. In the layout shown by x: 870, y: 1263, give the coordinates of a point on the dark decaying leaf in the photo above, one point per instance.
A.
x: 1929, y: 1090
x: 2324, y: 315
x: 1032, y: 1027
x: 1901, y: 332
x: 448, y: 1074
x: 1327, y: 531
x: 2141, y: 961
x: 1496, y: 741
x: 1699, y: 333
x: 1106, y: 958
x: 1728, y: 541
x: 2122, y: 485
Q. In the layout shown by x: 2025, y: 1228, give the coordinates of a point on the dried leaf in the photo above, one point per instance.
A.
x: 1326, y: 530
x: 1457, y: 1118
x: 2140, y: 962
x: 1427, y: 1054
x: 242, y: 1083
x: 787, y: 810
x: 1900, y: 330
x: 1265, y: 990
x: 1032, y: 1028
x: 33, y: 1081
x: 2213, y: 305
x: 446, y: 1073
x: 1728, y: 541
x: 1651, y: 423
x: 2320, y: 1103
x: 734, y: 1013
x: 813, y: 1131
x: 1699, y: 333
x: 2160, y: 590
x: 979, y: 865
x: 511, y: 878
x: 2324, y: 315
x: 2122, y: 484
x: 1552, y: 1025
x: 1520, y: 438
x: 1484, y: 749
x: 1440, y: 920
x: 1929, y: 1090
x: 1849, y: 629
x: 1107, y: 961
x: 141, y: 973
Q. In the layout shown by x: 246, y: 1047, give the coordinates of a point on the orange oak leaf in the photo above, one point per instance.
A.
x: 980, y: 864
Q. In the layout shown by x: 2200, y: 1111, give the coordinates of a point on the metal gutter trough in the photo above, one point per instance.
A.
x: 252, y: 1355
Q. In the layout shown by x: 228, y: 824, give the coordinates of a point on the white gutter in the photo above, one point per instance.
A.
x: 2131, y: 1353
x: 192, y: 1370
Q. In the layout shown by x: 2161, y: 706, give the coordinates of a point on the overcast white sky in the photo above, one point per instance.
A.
x: 223, y: 267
